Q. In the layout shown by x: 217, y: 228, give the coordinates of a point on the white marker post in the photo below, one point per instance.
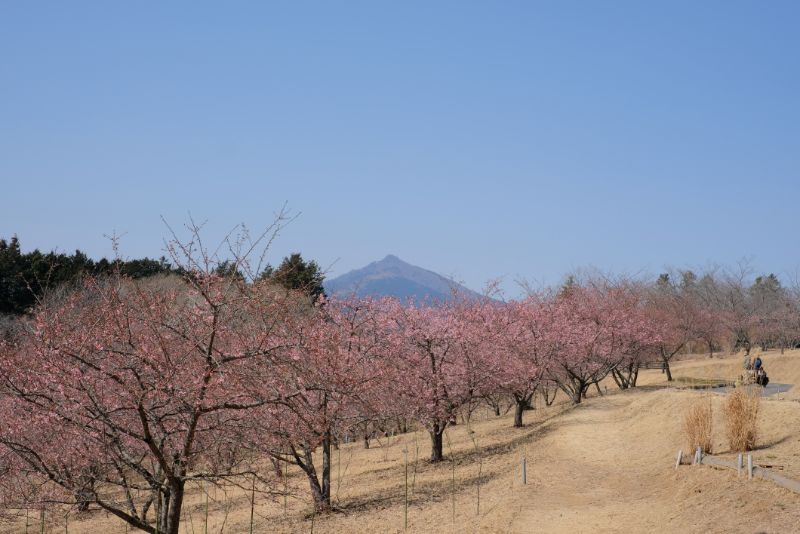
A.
x: 739, y: 462
x: 680, y: 457
x: 749, y: 467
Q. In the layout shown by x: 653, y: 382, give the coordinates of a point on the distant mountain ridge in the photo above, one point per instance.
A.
x: 393, y: 277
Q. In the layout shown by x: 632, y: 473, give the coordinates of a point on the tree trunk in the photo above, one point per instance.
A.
x: 317, y: 493
x: 326, y: 471
x: 548, y: 401
x: 576, y: 389
x: 321, y: 492
x: 366, y: 441
x: 172, y: 516
x: 164, y: 505
x: 518, y: 409
x: 436, y: 442
x: 82, y: 500
x: 276, y: 465
x: 619, y: 378
x: 665, y: 367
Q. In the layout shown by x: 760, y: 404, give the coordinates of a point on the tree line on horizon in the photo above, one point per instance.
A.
x: 26, y: 276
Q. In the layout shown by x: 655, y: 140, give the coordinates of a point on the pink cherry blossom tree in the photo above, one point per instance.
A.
x: 485, y: 326
x: 680, y: 318
x: 527, y: 351
x: 638, y: 335
x: 430, y: 376
x: 597, y: 326
x: 335, y: 368
x: 126, y: 387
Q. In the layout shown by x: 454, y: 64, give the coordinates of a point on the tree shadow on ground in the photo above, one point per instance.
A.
x: 772, y: 443
x: 443, y: 488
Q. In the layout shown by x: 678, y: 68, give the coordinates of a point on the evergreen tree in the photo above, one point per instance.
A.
x: 569, y: 285
x: 228, y: 268
x: 13, y: 288
x: 297, y: 274
x: 25, y: 277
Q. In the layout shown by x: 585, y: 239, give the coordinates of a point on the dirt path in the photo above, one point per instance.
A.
x: 608, y: 469
x: 575, y: 480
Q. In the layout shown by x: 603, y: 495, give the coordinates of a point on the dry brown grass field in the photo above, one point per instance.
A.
x: 606, y: 465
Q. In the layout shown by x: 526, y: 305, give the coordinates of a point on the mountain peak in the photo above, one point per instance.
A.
x: 391, y: 258
x: 393, y: 277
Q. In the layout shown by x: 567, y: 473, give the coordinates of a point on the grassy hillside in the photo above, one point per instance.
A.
x: 604, y: 466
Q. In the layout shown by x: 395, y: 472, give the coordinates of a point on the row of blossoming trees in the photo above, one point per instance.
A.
x: 119, y: 394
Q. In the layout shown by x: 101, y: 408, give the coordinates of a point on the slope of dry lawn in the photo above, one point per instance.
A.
x: 603, y: 466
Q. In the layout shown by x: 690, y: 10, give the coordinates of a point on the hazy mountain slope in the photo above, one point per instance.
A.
x: 391, y: 276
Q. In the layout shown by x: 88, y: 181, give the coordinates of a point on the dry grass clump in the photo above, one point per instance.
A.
x: 741, y: 419
x: 697, y: 425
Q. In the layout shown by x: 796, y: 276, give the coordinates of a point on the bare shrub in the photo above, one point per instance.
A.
x: 741, y: 419
x: 697, y: 425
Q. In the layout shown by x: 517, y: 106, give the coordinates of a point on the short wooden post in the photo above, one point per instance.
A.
x: 749, y: 467
x: 524, y: 471
x: 680, y: 457
x: 739, y: 462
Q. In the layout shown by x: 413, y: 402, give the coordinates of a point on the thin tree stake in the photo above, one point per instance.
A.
x: 524, y: 471
x: 453, y: 475
x: 405, y: 510
x: 252, y: 502
x: 285, y: 488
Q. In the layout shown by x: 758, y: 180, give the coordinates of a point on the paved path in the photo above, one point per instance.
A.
x: 770, y: 390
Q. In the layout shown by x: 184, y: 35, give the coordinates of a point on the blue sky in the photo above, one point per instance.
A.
x: 477, y: 139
